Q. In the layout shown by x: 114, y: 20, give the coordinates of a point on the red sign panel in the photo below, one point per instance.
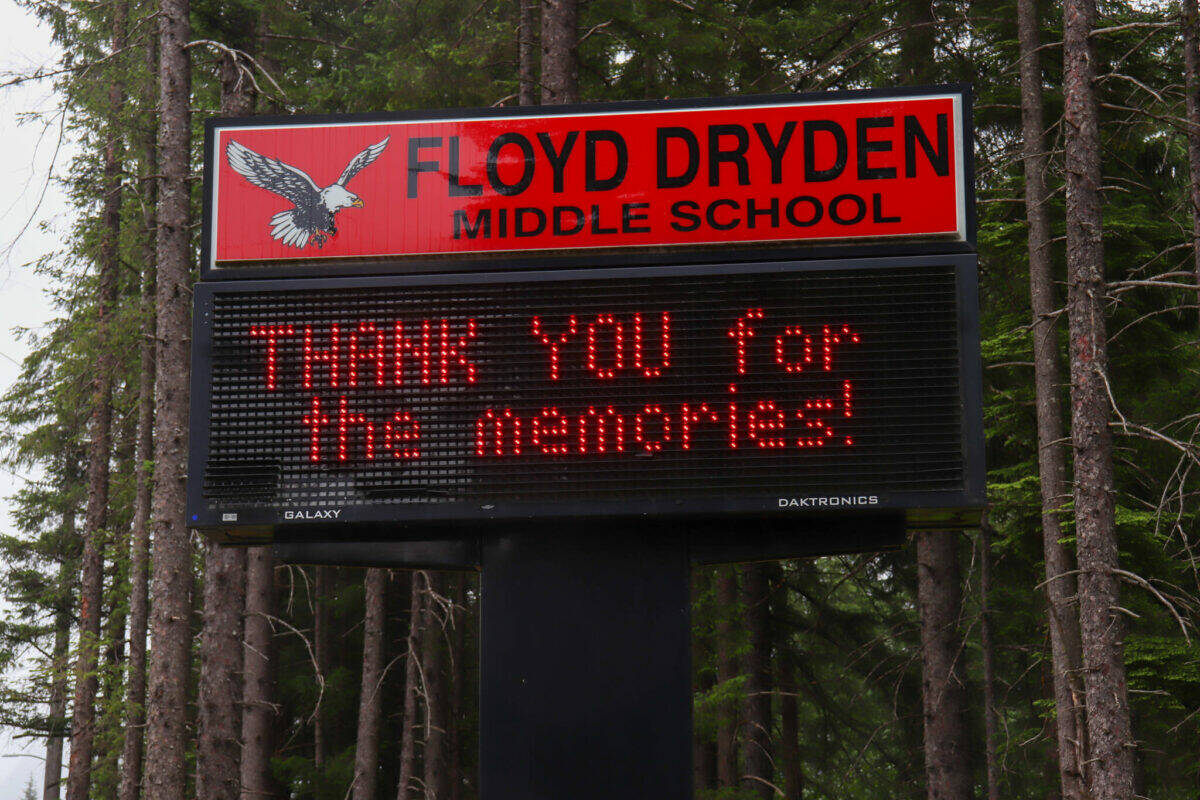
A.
x: 782, y: 170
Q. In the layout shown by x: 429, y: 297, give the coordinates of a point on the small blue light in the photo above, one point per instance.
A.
x: 195, y: 517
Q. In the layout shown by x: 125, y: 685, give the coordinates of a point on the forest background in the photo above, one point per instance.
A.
x: 964, y: 665
x: 25, y: 165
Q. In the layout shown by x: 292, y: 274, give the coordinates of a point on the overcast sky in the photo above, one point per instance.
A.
x: 26, y: 153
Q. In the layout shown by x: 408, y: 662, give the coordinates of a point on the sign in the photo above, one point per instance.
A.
x: 352, y: 193
x: 789, y: 388
x: 574, y: 348
x: 756, y: 308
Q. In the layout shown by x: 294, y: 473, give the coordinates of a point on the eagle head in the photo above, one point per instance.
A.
x: 337, y: 197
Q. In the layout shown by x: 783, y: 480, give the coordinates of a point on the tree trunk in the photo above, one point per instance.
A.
x: 218, y: 749
x: 91, y: 586
x: 910, y: 767
x: 939, y: 593
x: 1062, y: 611
x: 139, y: 559
x: 757, y: 610
x: 1190, y: 19
x: 322, y: 630
x: 458, y: 677
x: 258, y: 654
x: 989, y: 664
x: 366, y: 751
x: 727, y: 669
x: 919, y: 42
x: 1110, y: 739
x: 258, y: 690
x: 527, y: 83
x: 170, y: 622
x: 57, y: 717
x: 947, y: 766
x: 789, y: 729
x: 560, y: 52
x: 412, y: 685
x: 57, y: 713
x: 433, y: 668
x: 139, y: 536
x: 109, y: 716
x: 1049, y: 770
x: 704, y: 749
x: 237, y: 88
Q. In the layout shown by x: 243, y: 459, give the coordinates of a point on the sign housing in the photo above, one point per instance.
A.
x: 751, y: 308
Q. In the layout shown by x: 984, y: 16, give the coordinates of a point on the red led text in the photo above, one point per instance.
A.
x: 372, y: 354
x: 610, y: 344
x: 599, y: 430
x: 353, y: 435
x: 331, y: 364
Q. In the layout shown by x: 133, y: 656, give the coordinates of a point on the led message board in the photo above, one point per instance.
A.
x: 784, y: 388
x: 306, y: 196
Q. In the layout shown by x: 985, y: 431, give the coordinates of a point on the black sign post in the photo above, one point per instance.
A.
x: 585, y: 687
x: 781, y: 359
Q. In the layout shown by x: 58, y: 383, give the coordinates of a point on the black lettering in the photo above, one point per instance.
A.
x: 558, y: 160
x: 877, y: 210
x: 711, y: 214
x: 811, y: 128
x: 519, y: 217
x: 493, y: 159
x: 632, y: 213
x: 771, y: 211
x: 685, y: 209
x: 459, y: 189
x: 860, y: 209
x: 596, y: 227
x: 867, y: 146
x: 462, y: 223
x: 666, y: 181
x: 580, y: 220
x: 938, y: 159
x: 818, y: 211
x: 502, y: 223
x: 592, y: 182
x: 775, y: 150
x: 416, y: 167
x: 736, y: 156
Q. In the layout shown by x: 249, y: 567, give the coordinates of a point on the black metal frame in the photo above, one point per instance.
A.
x: 453, y: 520
x: 613, y: 257
x: 708, y: 541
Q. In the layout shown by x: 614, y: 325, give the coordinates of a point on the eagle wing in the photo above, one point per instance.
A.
x: 274, y: 175
x: 362, y: 160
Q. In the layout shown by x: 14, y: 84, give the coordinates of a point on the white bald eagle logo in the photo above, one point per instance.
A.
x: 312, y: 217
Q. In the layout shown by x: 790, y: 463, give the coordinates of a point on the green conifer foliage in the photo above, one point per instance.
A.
x: 843, y: 638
